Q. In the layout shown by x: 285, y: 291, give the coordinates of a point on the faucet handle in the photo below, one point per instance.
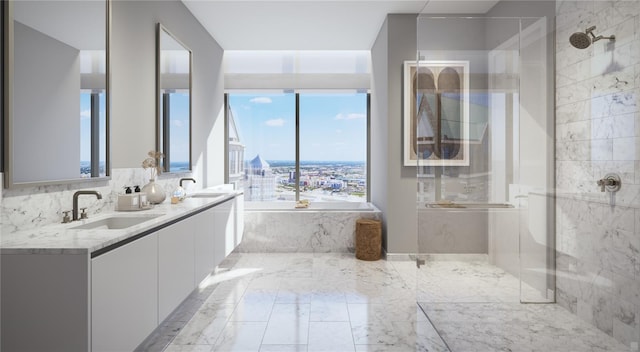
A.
x: 84, y: 215
x: 66, y: 218
x: 611, y: 183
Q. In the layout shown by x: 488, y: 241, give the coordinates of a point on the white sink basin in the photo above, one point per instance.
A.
x: 117, y: 222
x: 208, y: 195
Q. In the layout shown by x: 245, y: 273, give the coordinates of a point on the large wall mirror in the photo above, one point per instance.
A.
x: 173, y: 65
x: 56, y: 91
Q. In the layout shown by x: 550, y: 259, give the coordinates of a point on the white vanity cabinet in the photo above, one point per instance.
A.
x: 224, y: 229
x: 112, y: 298
x: 124, y: 300
x: 176, y: 271
x: 204, y: 256
x: 239, y: 218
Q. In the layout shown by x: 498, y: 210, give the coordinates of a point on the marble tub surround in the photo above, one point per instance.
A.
x: 63, y: 239
x: 33, y: 207
x: 302, y: 230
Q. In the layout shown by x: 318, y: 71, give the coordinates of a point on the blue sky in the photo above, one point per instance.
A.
x: 332, y: 126
x: 179, y: 127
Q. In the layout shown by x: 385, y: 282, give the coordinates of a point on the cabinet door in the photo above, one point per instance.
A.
x: 204, y: 244
x: 239, y: 218
x: 124, y: 296
x: 176, y: 277
x: 223, y: 224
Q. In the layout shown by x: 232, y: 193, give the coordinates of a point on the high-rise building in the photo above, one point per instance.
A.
x: 260, y: 183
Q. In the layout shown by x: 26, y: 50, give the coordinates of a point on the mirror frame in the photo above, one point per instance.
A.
x: 7, y: 121
x: 162, y: 133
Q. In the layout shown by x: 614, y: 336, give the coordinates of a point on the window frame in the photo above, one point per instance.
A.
x: 297, y: 141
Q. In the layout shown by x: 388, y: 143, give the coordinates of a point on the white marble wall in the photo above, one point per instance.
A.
x: 598, y: 131
x: 30, y: 207
x: 305, y: 231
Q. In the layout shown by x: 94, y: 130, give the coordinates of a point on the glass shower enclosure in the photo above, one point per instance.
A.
x: 478, y: 127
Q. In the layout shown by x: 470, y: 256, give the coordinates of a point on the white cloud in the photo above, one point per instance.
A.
x: 338, y: 131
x: 177, y: 123
x: 261, y: 100
x: 85, y: 114
x: 275, y: 122
x: 351, y: 116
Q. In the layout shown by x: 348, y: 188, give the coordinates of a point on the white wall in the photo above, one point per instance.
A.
x: 46, y: 108
x: 133, y: 114
x: 393, y: 186
x: 379, y: 154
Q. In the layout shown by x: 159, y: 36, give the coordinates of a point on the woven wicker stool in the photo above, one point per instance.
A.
x: 368, y: 239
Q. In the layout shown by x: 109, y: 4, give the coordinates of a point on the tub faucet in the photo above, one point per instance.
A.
x: 75, y: 202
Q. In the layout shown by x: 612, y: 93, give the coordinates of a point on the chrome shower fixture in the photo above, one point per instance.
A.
x: 582, y: 40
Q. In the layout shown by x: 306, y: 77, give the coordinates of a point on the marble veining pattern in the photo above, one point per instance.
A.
x: 381, y: 311
x: 34, y: 207
x: 597, y: 130
x: 62, y: 238
x: 306, y: 231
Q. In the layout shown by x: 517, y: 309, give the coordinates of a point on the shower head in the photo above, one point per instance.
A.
x: 582, y: 40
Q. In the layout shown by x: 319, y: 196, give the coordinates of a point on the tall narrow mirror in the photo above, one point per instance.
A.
x: 173, y: 65
x: 56, y: 92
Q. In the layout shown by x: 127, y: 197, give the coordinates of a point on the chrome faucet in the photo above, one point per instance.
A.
x: 187, y: 179
x: 75, y: 202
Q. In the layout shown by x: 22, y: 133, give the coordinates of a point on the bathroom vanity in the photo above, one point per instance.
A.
x: 107, y: 288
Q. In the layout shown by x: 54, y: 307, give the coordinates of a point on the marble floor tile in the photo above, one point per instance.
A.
x: 283, y: 348
x: 240, y: 337
x: 516, y: 327
x: 288, y: 324
x: 330, y: 337
x: 265, y: 302
x: 329, y: 311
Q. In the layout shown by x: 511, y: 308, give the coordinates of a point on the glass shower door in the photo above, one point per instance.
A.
x: 482, y: 140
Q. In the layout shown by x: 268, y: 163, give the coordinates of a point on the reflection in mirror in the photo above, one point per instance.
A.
x: 173, y: 102
x: 56, y: 113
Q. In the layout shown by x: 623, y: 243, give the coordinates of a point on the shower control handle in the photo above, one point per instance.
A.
x: 611, y: 183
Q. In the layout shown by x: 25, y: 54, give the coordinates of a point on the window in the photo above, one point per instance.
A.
x: 332, y: 145
x: 93, y: 127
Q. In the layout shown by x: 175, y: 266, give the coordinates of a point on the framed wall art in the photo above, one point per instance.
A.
x: 436, y: 113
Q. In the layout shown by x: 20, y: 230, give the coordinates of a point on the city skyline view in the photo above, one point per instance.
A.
x: 333, y: 145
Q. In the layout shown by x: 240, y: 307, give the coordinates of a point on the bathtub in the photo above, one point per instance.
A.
x: 322, y: 227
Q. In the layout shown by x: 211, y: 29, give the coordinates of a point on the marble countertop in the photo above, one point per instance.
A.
x: 64, y: 239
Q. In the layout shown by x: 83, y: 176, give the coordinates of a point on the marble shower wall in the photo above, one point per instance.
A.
x: 597, y: 132
x: 30, y: 207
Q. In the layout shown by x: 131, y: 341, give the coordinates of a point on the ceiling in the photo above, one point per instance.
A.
x: 311, y: 24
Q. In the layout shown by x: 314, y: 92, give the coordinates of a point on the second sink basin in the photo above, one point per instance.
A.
x: 116, y: 222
